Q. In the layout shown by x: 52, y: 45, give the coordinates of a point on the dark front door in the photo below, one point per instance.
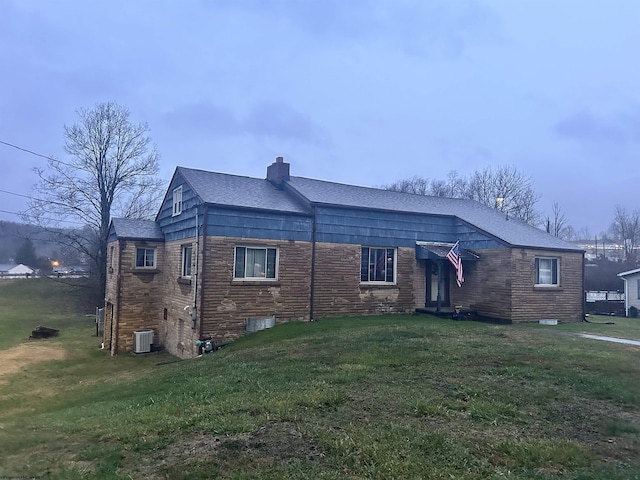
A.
x: 432, y: 284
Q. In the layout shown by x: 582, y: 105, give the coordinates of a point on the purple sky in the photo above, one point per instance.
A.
x: 362, y: 91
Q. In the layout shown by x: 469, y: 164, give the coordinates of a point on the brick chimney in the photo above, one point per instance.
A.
x: 278, y: 172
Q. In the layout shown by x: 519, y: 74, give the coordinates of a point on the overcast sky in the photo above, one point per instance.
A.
x: 355, y: 91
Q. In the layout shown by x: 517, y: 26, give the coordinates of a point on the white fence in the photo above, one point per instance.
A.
x: 604, y: 296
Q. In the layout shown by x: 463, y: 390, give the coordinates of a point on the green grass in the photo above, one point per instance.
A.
x: 377, y: 397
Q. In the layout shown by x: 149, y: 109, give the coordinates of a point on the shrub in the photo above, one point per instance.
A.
x: 633, y: 312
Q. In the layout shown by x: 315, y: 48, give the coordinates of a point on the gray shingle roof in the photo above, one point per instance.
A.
x: 511, y: 231
x: 136, y: 228
x: 238, y: 191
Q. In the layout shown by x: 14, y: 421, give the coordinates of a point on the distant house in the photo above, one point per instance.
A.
x: 16, y: 271
x: 631, y: 289
x: 226, y: 248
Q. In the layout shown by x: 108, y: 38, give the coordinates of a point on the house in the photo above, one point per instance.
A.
x: 631, y: 280
x: 226, y: 248
x: 16, y: 271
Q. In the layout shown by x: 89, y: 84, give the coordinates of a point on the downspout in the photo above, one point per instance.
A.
x: 116, y: 315
x: 313, y: 264
x: 205, y: 222
x: 194, y: 311
x: 439, y: 300
x: 584, y: 293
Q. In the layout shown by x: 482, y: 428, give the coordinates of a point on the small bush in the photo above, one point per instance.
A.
x: 633, y: 312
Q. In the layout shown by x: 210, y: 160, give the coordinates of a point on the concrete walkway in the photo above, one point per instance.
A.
x: 610, y: 339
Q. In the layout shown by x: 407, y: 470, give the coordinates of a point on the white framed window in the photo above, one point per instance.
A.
x: 145, y: 257
x: 378, y: 265
x: 256, y: 263
x: 177, y: 201
x: 187, y: 254
x: 547, y: 272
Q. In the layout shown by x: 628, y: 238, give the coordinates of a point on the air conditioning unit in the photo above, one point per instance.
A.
x: 142, y: 340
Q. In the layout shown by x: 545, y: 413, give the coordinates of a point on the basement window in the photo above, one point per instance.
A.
x: 378, y: 265
x: 547, y: 272
x: 255, y: 263
x: 145, y: 258
x: 177, y: 201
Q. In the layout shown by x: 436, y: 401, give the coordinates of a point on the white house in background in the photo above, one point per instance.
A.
x: 16, y: 271
x: 631, y: 289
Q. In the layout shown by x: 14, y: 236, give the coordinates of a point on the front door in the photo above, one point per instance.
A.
x: 432, y: 284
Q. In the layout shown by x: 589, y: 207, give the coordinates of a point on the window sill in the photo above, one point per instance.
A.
x: 145, y: 271
x: 184, y: 281
x: 378, y: 285
x: 255, y: 283
x: 546, y: 288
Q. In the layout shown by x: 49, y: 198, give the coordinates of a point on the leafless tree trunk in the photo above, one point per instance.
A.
x: 112, y: 171
x: 625, y: 228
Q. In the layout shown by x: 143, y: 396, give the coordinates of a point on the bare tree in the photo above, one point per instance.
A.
x: 112, y: 171
x: 416, y: 184
x: 625, y: 228
x: 454, y: 186
x: 507, y: 190
x: 556, y: 224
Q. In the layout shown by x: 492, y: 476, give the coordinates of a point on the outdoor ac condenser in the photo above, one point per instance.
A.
x: 142, y: 340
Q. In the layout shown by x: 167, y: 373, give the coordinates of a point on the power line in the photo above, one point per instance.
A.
x: 19, y: 195
x: 48, y: 219
x: 35, y: 153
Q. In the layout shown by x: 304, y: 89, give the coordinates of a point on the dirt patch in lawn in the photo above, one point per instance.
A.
x: 16, y: 358
x: 273, y: 444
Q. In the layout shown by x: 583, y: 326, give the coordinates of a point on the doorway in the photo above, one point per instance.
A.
x: 432, y: 283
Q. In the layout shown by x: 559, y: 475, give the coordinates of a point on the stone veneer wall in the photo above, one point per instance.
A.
x: 338, y: 290
x: 228, y: 302
x: 135, y: 297
x: 177, y: 333
x: 564, y: 303
x: 501, y: 285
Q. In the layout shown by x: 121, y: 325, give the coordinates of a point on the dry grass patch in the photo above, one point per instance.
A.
x: 17, y: 358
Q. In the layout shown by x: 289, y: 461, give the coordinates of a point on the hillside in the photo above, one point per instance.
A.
x: 376, y: 397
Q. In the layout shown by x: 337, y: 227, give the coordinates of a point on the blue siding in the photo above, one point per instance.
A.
x: 333, y: 224
x: 183, y: 225
x: 380, y: 228
x: 224, y: 222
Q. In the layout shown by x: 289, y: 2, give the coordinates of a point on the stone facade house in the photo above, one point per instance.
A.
x: 226, y: 248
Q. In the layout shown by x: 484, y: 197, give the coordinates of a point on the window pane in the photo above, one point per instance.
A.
x: 150, y: 257
x: 390, y: 263
x: 380, y: 265
x: 186, y: 261
x: 271, y: 263
x: 546, y: 271
x: 240, y: 262
x: 140, y: 257
x: 364, y: 265
x: 256, y: 262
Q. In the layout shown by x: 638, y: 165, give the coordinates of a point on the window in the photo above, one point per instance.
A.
x: 145, y: 258
x: 378, y: 265
x: 177, y: 201
x: 187, y: 251
x: 547, y: 271
x: 255, y: 263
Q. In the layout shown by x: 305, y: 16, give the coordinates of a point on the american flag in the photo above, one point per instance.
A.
x: 456, y: 260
